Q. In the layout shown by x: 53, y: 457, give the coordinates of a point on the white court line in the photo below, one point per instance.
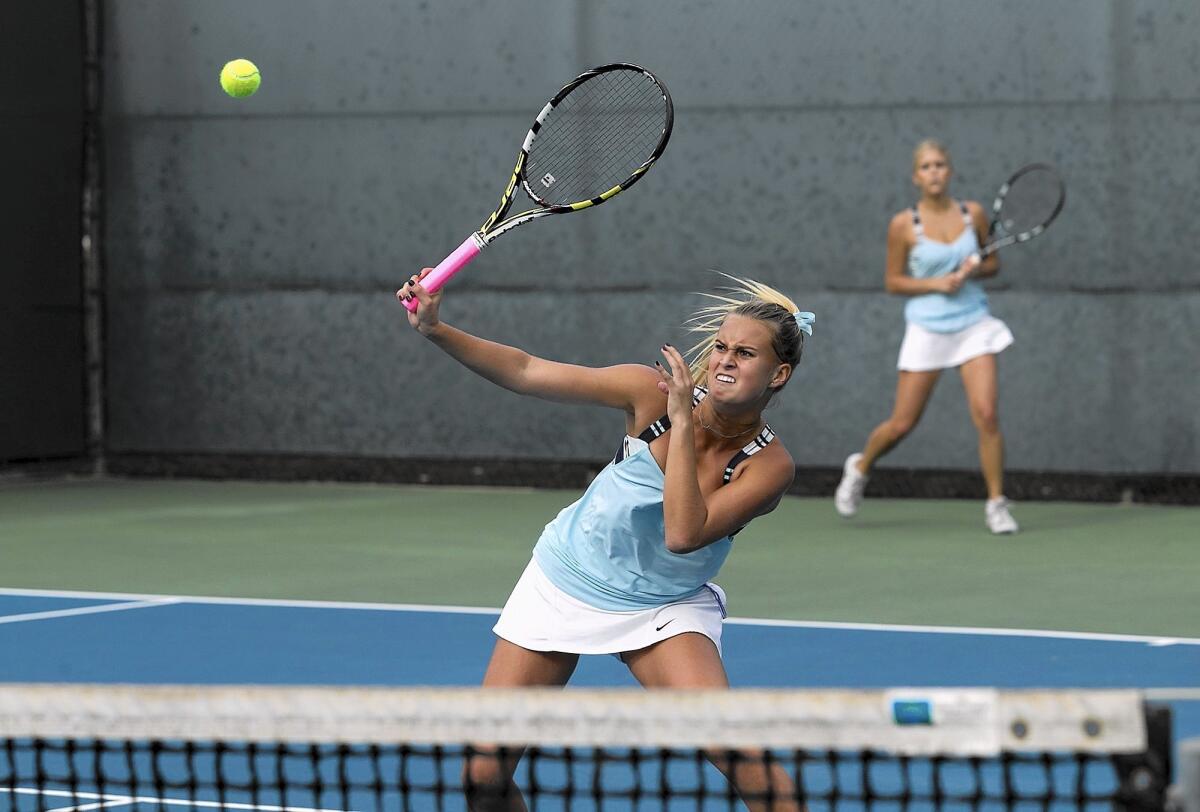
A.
x: 1145, y: 639
x: 1150, y: 640
x: 109, y: 803
x: 88, y: 610
x: 107, y: 800
x: 277, y: 602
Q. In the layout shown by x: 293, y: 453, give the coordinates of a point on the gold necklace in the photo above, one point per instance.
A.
x: 711, y: 430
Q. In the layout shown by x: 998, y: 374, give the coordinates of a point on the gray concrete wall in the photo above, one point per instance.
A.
x: 253, y: 245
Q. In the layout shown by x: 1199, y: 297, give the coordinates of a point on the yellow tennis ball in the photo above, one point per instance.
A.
x: 240, y: 78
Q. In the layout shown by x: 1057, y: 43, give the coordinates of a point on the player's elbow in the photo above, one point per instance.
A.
x: 526, y: 375
x: 682, y: 544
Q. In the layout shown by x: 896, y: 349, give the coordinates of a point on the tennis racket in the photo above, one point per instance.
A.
x: 1025, y: 206
x: 592, y: 141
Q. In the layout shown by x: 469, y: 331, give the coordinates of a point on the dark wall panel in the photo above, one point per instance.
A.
x: 41, y: 340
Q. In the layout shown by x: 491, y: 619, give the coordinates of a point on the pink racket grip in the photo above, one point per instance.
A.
x: 448, y: 267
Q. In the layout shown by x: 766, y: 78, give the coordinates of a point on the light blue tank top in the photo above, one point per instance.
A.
x: 939, y: 312
x: 608, y: 549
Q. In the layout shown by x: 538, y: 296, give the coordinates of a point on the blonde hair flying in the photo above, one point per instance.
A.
x: 745, y: 297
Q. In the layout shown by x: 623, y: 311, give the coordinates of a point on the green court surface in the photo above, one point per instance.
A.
x: 1079, y: 567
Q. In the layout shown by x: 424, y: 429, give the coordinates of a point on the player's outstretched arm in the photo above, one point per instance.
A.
x: 514, y: 369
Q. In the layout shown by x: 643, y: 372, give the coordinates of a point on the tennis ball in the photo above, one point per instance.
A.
x: 240, y: 78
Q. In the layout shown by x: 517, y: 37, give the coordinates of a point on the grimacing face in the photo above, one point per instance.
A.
x: 743, y: 363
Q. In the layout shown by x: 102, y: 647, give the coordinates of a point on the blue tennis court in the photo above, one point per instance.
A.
x: 156, y: 639
x: 152, y: 639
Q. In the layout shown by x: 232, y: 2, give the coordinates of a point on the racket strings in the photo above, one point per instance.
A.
x: 1032, y: 200
x: 605, y: 135
x: 596, y: 137
x: 616, y: 111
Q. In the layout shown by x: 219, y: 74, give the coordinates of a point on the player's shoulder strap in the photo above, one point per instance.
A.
x: 660, y: 427
x: 919, y: 229
x: 760, y: 441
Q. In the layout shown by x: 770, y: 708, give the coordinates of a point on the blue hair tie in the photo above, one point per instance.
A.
x: 804, y: 320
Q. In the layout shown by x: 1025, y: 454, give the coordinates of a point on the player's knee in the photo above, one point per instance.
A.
x: 986, y: 419
x: 486, y: 780
x: 719, y: 759
x: 729, y: 761
x: 901, y: 426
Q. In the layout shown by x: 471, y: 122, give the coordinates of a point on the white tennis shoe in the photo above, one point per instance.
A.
x: 998, y: 519
x: 849, y: 493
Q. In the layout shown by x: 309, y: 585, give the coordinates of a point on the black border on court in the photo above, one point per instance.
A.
x: 886, y: 482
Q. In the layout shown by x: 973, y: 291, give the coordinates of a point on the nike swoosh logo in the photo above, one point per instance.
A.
x: 660, y: 628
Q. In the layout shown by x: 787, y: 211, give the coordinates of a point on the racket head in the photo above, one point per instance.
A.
x: 1027, y: 203
x: 594, y: 139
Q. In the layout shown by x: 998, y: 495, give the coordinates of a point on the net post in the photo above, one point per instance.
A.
x: 1186, y: 792
x: 1145, y: 777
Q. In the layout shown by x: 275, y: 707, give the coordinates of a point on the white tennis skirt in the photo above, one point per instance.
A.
x: 541, y: 617
x: 923, y: 350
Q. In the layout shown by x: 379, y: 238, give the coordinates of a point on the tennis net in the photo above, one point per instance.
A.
x: 127, y: 747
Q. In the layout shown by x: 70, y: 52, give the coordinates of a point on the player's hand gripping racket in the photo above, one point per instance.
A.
x: 1025, y: 206
x: 593, y: 140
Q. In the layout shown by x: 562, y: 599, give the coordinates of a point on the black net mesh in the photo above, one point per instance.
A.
x: 96, y: 772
